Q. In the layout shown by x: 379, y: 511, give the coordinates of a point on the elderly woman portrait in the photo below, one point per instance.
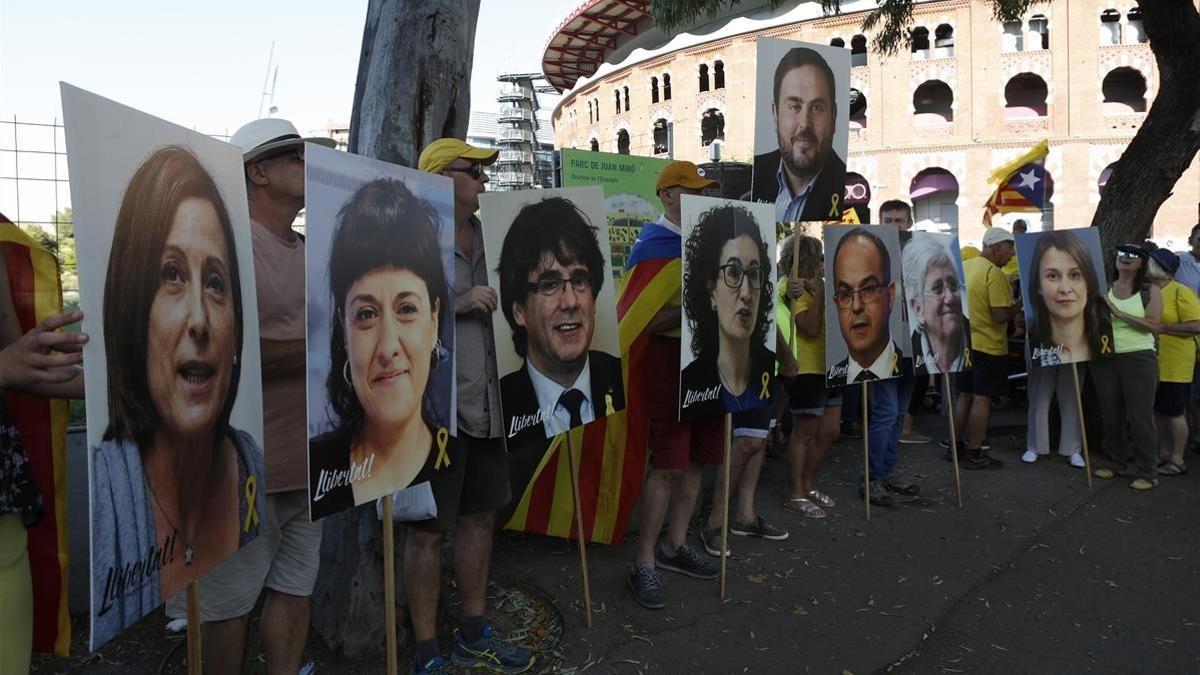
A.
x: 1069, y: 318
x: 174, y: 488
x: 388, y: 292
x: 727, y: 302
x: 933, y: 290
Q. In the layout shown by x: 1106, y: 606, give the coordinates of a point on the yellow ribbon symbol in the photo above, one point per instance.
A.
x: 443, y: 436
x: 251, y: 491
x: 608, y: 405
x: 967, y: 357
x: 835, y: 210
x: 1104, y: 348
x: 764, y: 393
x: 895, y: 363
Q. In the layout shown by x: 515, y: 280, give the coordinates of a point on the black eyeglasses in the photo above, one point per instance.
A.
x: 943, y: 286
x: 296, y: 154
x: 868, y: 293
x: 552, y: 287
x: 475, y: 170
x: 733, y: 274
x: 1127, y: 255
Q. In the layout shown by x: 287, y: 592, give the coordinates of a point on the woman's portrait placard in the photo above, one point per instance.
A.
x: 381, y: 403
x: 933, y: 296
x: 727, y: 360
x: 174, y: 396
x: 1063, y: 288
x: 557, y: 350
x: 864, y: 301
x: 801, y: 128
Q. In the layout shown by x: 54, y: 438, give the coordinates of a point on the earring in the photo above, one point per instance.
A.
x: 435, y: 355
x: 346, y: 373
x: 235, y: 359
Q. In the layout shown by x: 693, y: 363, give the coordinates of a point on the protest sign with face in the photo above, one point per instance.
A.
x: 933, y: 297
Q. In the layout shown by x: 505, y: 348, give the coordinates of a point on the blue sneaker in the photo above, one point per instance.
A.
x: 492, y: 652
x: 434, y: 666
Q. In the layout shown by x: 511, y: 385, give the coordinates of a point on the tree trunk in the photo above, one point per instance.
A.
x: 414, y: 87
x: 1169, y: 138
x: 414, y: 77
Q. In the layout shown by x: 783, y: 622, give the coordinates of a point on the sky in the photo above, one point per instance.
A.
x: 203, y: 65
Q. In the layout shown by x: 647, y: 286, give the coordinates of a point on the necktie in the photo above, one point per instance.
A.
x: 572, y: 400
x: 865, y: 376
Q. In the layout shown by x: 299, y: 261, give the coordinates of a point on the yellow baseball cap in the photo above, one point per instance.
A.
x: 683, y: 173
x: 439, y: 154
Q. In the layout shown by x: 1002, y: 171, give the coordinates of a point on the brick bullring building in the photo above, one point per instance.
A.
x: 927, y: 125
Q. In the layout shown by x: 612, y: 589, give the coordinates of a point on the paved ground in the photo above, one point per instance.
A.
x: 1036, y: 573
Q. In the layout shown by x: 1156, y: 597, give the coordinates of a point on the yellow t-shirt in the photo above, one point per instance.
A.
x: 1177, y: 355
x: 987, y: 287
x: 810, y: 351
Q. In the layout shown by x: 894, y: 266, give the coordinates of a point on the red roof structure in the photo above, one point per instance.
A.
x: 589, y: 35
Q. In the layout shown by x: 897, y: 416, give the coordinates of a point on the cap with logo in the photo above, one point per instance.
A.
x: 685, y: 174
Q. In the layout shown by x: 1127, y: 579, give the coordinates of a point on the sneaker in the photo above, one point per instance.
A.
x: 1141, y: 484
x: 945, y: 443
x: 434, y: 666
x: 876, y: 493
x: 975, y: 460
x: 684, y: 560
x: 646, y: 586
x: 1030, y: 457
x: 900, y: 486
x: 851, y: 430
x: 758, y: 528
x: 492, y: 652
x: 711, y: 538
x: 1076, y: 460
x: 915, y: 438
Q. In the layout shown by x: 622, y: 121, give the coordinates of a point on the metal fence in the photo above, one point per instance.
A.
x: 34, y: 185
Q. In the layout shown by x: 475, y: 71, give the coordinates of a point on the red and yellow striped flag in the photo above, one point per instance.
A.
x: 33, y: 276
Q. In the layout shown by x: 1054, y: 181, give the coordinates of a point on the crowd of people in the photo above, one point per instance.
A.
x: 1146, y: 388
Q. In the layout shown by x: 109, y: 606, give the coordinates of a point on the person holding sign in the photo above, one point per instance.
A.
x: 551, y: 272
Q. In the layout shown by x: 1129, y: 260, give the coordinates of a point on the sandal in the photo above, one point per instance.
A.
x: 804, y: 506
x: 821, y: 498
x: 1172, y: 469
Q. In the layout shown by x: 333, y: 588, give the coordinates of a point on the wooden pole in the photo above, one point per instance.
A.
x: 1087, y: 460
x: 389, y: 585
x: 725, y: 500
x: 194, y: 664
x: 579, y: 534
x: 866, y: 436
x: 953, y: 440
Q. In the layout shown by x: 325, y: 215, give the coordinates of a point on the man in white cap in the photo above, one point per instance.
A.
x: 991, y: 306
x: 286, y: 555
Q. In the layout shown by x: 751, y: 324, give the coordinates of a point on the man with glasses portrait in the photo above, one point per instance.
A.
x: 863, y: 293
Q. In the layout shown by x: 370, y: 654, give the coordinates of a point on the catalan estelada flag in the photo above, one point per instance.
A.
x: 33, y: 276
x: 610, y: 453
x: 1021, y: 184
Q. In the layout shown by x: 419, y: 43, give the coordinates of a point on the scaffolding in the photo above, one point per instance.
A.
x: 522, y: 164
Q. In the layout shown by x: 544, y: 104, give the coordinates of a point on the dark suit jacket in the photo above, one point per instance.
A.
x: 517, y: 397
x: 701, y: 374
x: 832, y: 181
x: 903, y: 367
x: 924, y: 369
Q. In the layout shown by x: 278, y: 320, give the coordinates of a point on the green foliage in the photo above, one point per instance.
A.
x: 670, y: 15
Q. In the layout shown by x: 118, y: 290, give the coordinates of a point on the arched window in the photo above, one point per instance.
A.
x: 858, y: 109
x: 943, y: 41
x: 933, y: 103
x: 934, y: 192
x: 623, y: 142
x: 661, y: 144
x: 617, y: 99
x: 1110, y: 27
x: 858, y: 50
x: 712, y: 126
x: 703, y: 77
x: 1135, y: 31
x: 837, y: 42
x: 654, y: 90
x: 595, y: 145
x: 1025, y: 96
x: 920, y: 43
x: 666, y: 86
x: 1039, y: 33
x: 625, y: 92
x: 596, y: 104
x: 590, y: 120
x: 1013, y: 37
x: 1124, y: 91
x: 718, y: 75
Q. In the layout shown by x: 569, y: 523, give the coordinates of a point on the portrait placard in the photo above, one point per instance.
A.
x: 557, y: 348
x: 934, y: 293
x: 380, y: 326
x: 865, y: 338
x: 801, y: 128
x: 174, y: 395
x: 1063, y: 289
x: 727, y: 357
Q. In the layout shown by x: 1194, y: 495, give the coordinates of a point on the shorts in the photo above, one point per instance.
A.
x: 484, y: 486
x: 753, y: 423
x: 987, y: 377
x: 1195, y: 387
x: 1170, y: 399
x: 808, y: 395
x: 285, y: 557
x: 674, y: 444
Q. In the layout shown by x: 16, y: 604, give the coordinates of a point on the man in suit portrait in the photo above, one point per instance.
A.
x: 551, y: 271
x: 863, y: 293
x: 804, y: 178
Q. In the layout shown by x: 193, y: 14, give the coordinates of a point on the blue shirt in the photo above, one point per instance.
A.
x: 787, y: 207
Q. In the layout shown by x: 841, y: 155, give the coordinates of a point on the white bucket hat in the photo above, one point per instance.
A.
x: 269, y: 134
